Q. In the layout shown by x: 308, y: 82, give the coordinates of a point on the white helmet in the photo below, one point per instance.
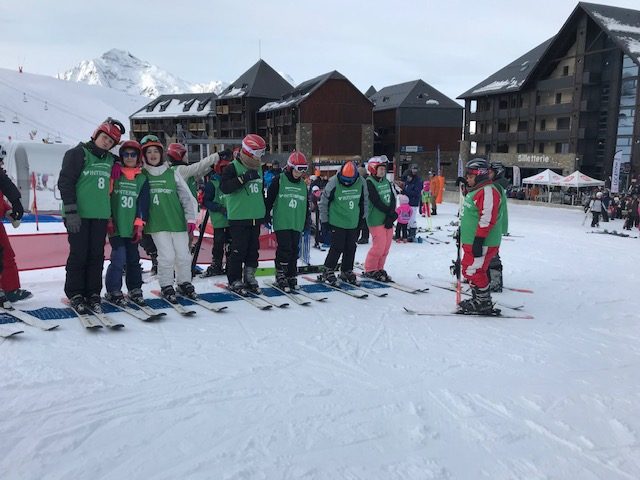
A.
x: 599, y: 195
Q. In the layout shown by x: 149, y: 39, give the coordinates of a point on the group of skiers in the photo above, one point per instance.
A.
x: 145, y: 194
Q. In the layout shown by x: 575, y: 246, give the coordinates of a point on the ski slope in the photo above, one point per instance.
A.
x: 58, y: 110
x: 349, y: 389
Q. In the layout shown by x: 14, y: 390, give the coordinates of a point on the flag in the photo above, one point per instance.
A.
x: 460, y: 166
x: 438, y: 161
x: 516, y: 176
x: 615, y: 173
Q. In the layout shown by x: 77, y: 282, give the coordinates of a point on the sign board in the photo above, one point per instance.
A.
x: 412, y: 148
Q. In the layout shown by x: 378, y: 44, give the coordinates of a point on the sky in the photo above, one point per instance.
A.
x: 451, y: 45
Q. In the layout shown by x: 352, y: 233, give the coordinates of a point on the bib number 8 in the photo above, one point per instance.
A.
x: 101, y: 183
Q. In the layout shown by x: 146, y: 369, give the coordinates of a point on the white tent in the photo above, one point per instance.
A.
x: 548, y: 178
x: 578, y: 179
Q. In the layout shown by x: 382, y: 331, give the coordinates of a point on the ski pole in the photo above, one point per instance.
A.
x: 196, y: 249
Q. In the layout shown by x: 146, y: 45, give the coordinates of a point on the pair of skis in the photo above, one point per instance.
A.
x: 141, y: 312
x: 24, y: 317
x: 298, y: 296
x: 94, y: 320
x: 261, y: 302
x: 495, y: 313
x: 392, y: 284
x: 186, y: 312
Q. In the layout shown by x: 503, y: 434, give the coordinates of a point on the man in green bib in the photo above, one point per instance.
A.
x: 242, y: 184
x: 84, y: 183
x: 343, y: 203
x: 288, y: 197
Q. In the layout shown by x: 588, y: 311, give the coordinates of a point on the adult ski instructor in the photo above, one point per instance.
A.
x: 480, y: 235
x: 84, y: 187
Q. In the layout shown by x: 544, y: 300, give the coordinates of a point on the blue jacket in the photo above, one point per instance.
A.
x: 412, y: 189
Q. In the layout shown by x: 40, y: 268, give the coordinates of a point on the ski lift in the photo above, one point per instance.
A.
x: 15, y: 119
x: 46, y: 105
x: 24, y: 98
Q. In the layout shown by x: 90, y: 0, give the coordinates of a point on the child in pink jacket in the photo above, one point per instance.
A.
x: 404, y: 215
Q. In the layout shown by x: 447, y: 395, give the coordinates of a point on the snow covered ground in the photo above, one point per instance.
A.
x: 349, y: 389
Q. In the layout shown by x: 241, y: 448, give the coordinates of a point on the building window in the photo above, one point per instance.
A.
x: 514, y: 101
x: 503, y: 126
x: 543, y: 124
x: 563, y: 123
x: 537, y: 99
x: 503, y: 148
x: 503, y: 104
x: 562, y: 148
x: 541, y: 147
x: 521, y: 148
x: 487, y: 148
x: 565, y: 71
x: 558, y: 98
x: 523, y: 126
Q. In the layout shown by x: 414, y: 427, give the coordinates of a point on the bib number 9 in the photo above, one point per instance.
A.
x: 351, y: 204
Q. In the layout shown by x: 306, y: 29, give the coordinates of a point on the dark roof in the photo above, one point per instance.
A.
x: 511, y: 77
x: 260, y: 81
x: 302, y: 91
x: 622, y: 25
x: 370, y: 91
x: 415, y: 94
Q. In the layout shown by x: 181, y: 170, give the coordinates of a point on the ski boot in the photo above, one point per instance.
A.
x: 372, y: 274
x: 18, y: 294
x: 93, y: 303
x: 136, y: 297
x: 329, y: 277
x: 362, y: 241
x: 116, y: 297
x: 238, y: 287
x: 4, y: 301
x: 213, y: 270
x: 495, y: 280
x: 154, y: 264
x: 79, y: 304
x: 383, y: 276
x: 169, y: 294
x: 186, y: 290
x: 412, y: 235
x: 293, y: 283
x: 281, y: 280
x: 349, y: 277
x: 250, y: 282
x: 479, y: 304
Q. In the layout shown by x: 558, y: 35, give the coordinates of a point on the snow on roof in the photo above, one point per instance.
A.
x: 234, y: 92
x: 175, y: 107
x: 499, y: 85
x: 614, y: 25
x: 282, y: 103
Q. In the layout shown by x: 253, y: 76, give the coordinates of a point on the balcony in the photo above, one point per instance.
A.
x: 552, y: 135
x: 554, y: 109
x: 551, y: 84
x: 197, y: 127
x: 588, y: 106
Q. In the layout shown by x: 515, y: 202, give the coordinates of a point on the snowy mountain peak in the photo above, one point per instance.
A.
x: 120, y: 70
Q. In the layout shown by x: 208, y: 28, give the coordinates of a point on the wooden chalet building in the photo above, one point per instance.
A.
x: 571, y: 102
x: 238, y: 104
x: 327, y: 118
x: 411, y: 121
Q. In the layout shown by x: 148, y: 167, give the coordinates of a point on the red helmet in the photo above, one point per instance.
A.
x: 254, y: 146
x: 132, y: 145
x: 112, y: 128
x: 374, y: 163
x: 297, y: 161
x: 220, y: 166
x: 176, y: 152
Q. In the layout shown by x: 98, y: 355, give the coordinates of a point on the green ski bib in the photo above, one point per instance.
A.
x: 92, y: 188
x: 290, y: 208
x: 469, y: 218
x: 246, y: 203
x: 376, y: 217
x: 344, y: 210
x: 218, y: 220
x: 165, y: 210
x: 124, y: 203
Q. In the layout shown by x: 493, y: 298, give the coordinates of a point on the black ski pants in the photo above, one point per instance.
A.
x: 147, y: 245
x: 245, y: 243
x: 596, y: 219
x: 343, y: 242
x: 221, y: 238
x: 86, y: 259
x: 288, y: 251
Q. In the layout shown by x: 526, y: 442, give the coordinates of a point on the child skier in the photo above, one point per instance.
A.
x: 288, y: 197
x: 404, y: 212
x: 213, y: 200
x: 343, y: 203
x: 426, y: 198
x: 129, y: 210
x: 382, y: 214
x: 480, y: 235
x: 242, y: 183
x: 596, y: 209
x: 497, y: 172
x: 171, y: 220
x: 84, y: 187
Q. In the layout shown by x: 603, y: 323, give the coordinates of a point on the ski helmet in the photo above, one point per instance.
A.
x: 498, y: 170
x: 478, y: 167
x: 348, y: 173
x: 151, y: 141
x: 374, y: 163
x: 131, y: 145
x: 297, y: 161
x: 254, y: 146
x: 110, y: 127
x: 176, y: 153
x: 221, y: 165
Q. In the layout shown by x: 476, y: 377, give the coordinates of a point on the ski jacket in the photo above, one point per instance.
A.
x: 413, y: 189
x: 382, y: 201
x: 329, y: 197
x: 8, y: 189
x: 290, y: 211
x: 213, y: 200
x: 480, y: 216
x: 194, y: 172
x: 404, y: 213
x: 595, y: 205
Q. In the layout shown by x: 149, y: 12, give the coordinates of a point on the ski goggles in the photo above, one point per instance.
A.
x: 132, y: 154
x: 300, y: 168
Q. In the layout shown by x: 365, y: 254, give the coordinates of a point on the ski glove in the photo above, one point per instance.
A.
x: 225, y: 154
x: 477, y: 248
x: 72, y: 221
x: 249, y: 175
x: 111, y: 228
x: 191, y: 226
x: 17, y: 210
x: 116, y: 171
x: 137, y: 233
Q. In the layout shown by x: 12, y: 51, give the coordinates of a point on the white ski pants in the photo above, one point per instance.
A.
x: 173, y: 253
